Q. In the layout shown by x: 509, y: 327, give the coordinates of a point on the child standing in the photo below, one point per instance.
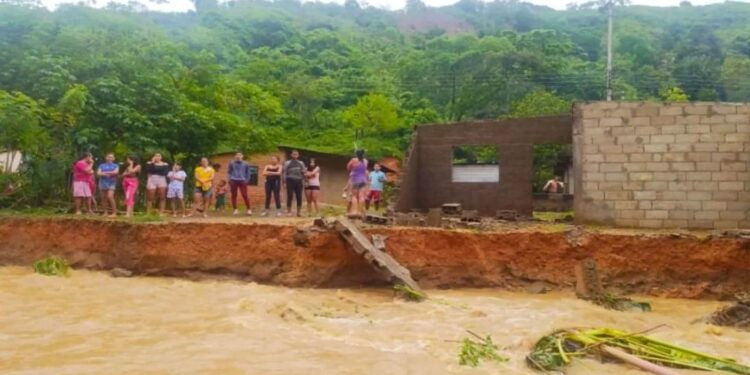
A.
x: 377, y: 180
x: 221, y: 193
x: 176, y: 188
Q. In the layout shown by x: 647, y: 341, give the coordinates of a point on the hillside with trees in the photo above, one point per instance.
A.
x: 253, y: 74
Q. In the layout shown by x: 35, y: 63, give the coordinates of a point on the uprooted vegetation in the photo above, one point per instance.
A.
x: 557, y: 350
x: 478, y: 349
x: 52, y: 266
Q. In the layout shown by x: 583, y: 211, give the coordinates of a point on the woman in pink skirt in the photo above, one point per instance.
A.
x: 82, y: 172
x: 130, y: 183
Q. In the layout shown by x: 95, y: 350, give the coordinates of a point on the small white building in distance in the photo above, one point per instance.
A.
x: 10, y: 161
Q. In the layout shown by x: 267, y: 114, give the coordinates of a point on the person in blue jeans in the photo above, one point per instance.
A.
x: 107, y: 173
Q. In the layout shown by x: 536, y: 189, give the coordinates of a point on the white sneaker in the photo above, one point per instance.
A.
x: 249, y: 212
x: 236, y: 212
x: 264, y: 213
x: 278, y: 213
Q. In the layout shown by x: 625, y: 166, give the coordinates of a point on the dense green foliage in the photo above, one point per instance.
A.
x: 251, y: 74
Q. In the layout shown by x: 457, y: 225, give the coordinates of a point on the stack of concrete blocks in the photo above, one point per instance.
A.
x: 654, y: 165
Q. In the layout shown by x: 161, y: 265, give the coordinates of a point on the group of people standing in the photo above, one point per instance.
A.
x: 166, y: 183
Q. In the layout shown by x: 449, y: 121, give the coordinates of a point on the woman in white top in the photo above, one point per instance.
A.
x: 312, y: 188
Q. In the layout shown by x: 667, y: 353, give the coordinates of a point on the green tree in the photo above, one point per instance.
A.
x: 372, y: 113
x: 674, y: 95
x: 734, y: 78
x: 540, y: 103
x: 20, y: 125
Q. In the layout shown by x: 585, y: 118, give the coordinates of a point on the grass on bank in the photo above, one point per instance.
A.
x: 553, y: 217
x: 56, y: 213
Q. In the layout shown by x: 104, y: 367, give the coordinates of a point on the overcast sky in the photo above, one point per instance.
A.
x: 186, y: 5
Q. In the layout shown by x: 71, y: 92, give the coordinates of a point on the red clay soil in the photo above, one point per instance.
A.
x: 677, y: 266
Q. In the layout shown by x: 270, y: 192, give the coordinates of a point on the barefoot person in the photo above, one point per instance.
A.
x: 312, y: 188
x: 107, y: 173
x: 272, y: 173
x: 156, y: 183
x: 220, y: 195
x: 204, y: 177
x: 130, y: 183
x: 357, y: 168
x: 176, y: 188
x: 377, y: 181
x: 293, y: 175
x: 82, y: 172
x: 239, y: 177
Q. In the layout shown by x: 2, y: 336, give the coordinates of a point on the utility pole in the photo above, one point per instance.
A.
x: 610, y: 5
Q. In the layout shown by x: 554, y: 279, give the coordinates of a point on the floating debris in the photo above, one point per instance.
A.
x: 52, y: 266
x: 614, y: 302
x: 473, y: 351
x: 589, y: 288
x: 736, y: 315
x: 557, y: 350
x: 408, y: 293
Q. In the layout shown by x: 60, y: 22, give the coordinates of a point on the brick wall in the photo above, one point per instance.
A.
x: 652, y: 165
x: 427, y: 178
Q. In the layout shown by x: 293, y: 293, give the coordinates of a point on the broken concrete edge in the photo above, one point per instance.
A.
x: 382, y: 263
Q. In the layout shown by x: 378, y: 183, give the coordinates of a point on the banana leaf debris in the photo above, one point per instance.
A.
x: 557, y: 350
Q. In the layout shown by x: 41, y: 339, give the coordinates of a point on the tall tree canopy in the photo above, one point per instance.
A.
x: 254, y: 73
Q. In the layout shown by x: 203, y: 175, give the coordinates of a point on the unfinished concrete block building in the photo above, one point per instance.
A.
x: 431, y: 176
x: 636, y: 164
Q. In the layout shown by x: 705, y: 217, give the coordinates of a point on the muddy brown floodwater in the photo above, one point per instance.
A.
x: 91, y: 323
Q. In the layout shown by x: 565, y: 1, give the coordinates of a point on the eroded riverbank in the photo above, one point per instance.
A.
x: 656, y: 264
x: 91, y: 323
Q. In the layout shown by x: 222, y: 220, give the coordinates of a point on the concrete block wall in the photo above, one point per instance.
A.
x: 655, y: 165
x: 427, y: 181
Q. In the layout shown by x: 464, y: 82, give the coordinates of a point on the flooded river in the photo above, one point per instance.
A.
x: 91, y: 323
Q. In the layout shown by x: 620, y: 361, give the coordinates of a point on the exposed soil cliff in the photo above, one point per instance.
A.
x: 681, y: 266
